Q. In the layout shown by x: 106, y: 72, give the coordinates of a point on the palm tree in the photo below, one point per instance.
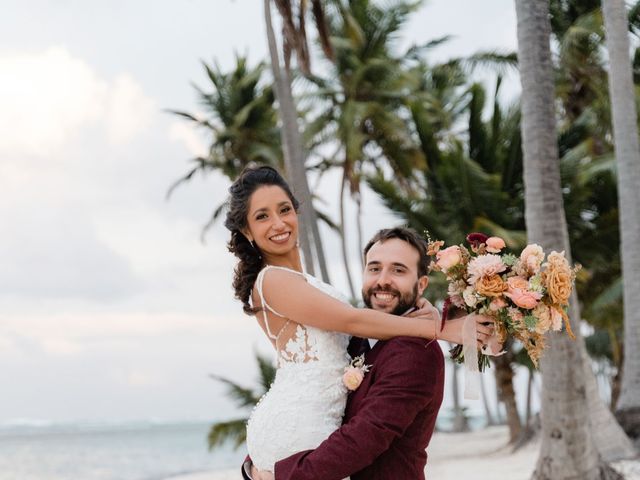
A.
x: 586, y: 131
x: 472, y: 182
x: 294, y: 156
x: 625, y: 129
x: 294, y: 31
x: 568, y: 449
x: 241, y: 120
x: 360, y: 103
x: 246, y: 398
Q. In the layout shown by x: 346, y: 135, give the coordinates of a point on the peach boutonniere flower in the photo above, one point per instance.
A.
x: 354, y: 373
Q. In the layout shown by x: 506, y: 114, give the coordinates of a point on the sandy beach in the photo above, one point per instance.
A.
x: 480, y: 455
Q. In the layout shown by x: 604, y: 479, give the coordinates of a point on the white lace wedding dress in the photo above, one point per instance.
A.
x: 306, y: 401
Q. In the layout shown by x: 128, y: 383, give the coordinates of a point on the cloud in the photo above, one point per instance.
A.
x: 185, y: 133
x: 86, y: 332
x: 56, y: 253
x: 49, y: 98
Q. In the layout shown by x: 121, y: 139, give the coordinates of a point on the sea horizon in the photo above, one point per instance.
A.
x: 109, y: 449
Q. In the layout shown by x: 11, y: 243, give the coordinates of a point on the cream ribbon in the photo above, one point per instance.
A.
x: 470, y: 352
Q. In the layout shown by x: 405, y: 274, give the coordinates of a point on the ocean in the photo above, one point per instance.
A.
x: 147, y: 450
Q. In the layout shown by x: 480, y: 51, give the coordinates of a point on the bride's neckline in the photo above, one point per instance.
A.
x: 285, y: 268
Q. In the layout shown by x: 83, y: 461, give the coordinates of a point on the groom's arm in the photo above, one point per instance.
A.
x: 408, y: 377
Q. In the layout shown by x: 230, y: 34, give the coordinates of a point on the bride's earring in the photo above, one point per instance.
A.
x: 255, y: 247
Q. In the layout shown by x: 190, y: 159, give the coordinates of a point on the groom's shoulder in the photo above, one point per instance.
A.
x: 415, y: 348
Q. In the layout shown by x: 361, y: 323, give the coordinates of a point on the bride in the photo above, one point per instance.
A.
x: 308, y: 322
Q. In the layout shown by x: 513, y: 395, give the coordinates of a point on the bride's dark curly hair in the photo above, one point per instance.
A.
x: 250, y: 260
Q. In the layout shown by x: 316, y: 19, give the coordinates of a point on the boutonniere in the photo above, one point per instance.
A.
x: 354, y: 373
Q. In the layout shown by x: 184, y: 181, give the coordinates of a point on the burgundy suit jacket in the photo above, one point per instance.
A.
x: 388, y: 420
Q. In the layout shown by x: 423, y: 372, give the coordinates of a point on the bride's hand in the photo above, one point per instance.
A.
x: 452, y: 331
x: 261, y: 474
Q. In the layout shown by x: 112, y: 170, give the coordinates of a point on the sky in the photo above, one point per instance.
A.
x: 111, y: 307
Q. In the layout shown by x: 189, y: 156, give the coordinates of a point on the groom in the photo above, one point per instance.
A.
x: 390, y: 417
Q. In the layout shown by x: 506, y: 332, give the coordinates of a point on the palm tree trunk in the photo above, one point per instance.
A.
x: 625, y: 130
x: 460, y: 423
x: 568, y: 450
x: 618, y: 355
x: 527, y: 414
x: 504, y: 381
x: 359, y: 224
x: 485, y: 402
x: 294, y: 156
x: 343, y: 240
x: 611, y: 441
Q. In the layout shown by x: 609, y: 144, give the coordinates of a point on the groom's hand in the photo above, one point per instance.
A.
x: 261, y: 474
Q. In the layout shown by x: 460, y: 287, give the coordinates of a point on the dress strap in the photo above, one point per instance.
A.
x: 265, y: 305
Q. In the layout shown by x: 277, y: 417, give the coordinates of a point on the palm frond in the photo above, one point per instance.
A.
x: 267, y: 371
x: 245, y: 397
x: 234, y: 431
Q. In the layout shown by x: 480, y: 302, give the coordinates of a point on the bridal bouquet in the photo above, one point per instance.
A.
x: 526, y: 295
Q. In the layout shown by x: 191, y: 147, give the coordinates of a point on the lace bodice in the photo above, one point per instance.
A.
x: 306, y: 401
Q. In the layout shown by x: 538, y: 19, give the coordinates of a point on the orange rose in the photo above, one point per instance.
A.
x: 491, y: 286
x: 558, y: 278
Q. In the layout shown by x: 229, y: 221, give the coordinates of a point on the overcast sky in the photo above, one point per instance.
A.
x: 110, y: 306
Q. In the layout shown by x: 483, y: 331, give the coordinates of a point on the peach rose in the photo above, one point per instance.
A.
x: 517, y: 282
x: 531, y: 258
x: 491, y: 286
x: 523, y: 298
x: 352, y: 378
x: 449, y: 257
x: 495, y: 244
x: 497, y: 303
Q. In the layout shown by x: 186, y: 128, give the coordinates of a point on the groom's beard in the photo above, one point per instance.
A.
x: 406, y: 300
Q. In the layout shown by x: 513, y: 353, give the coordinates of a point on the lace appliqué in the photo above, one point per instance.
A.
x: 301, y: 348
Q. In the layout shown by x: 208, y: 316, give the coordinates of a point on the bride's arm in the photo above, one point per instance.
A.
x: 290, y: 295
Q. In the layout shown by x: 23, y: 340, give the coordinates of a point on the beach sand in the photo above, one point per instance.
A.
x: 479, y: 455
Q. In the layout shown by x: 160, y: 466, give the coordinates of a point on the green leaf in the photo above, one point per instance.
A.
x: 530, y: 321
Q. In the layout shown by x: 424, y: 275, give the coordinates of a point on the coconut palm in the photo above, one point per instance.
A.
x: 472, y: 182
x: 240, y: 119
x: 294, y: 155
x: 625, y: 123
x: 358, y: 108
x: 581, y: 87
x: 246, y: 398
x: 568, y: 449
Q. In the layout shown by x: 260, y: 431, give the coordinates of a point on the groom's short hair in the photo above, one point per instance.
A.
x: 408, y: 235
